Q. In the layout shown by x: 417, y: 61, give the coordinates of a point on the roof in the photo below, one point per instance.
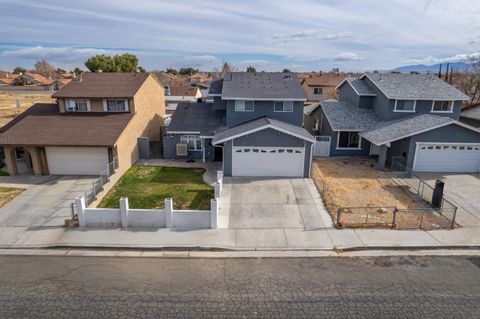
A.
x: 360, y: 87
x: 196, y: 117
x: 103, y: 85
x: 389, y: 131
x: 215, y: 87
x: 261, y: 86
x: 323, y: 79
x: 346, y: 117
x: 414, y: 86
x: 38, y: 78
x: 43, y: 124
x: 310, y: 108
x: 257, y: 125
x: 181, y: 86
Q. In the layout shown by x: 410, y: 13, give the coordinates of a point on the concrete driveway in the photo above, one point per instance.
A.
x: 255, y: 203
x: 45, y: 202
x: 464, y: 191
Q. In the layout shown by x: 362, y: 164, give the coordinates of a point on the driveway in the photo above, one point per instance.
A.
x: 463, y: 190
x: 45, y: 202
x: 257, y: 203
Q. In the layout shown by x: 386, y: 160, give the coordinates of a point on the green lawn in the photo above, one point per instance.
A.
x: 148, y: 186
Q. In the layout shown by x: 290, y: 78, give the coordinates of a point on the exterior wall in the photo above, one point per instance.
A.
x: 348, y: 94
x: 309, y: 121
x: 398, y: 149
x: 96, y: 105
x: 448, y: 134
x: 218, y: 103
x: 472, y: 112
x: 264, y: 108
x: 149, y: 108
x: 328, y: 92
x: 170, y: 148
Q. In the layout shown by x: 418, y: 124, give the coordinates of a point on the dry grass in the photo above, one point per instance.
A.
x: 7, y: 194
x: 8, y: 103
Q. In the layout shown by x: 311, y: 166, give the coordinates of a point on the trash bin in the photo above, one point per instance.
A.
x: 438, y: 194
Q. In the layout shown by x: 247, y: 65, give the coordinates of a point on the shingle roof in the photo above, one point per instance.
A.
x: 324, y: 79
x: 262, y: 122
x: 262, y: 86
x: 361, y: 87
x: 346, y: 117
x: 181, y: 86
x: 215, y: 87
x: 42, y: 124
x: 196, y: 117
x: 415, y: 86
x: 310, y: 108
x: 389, y: 131
x: 100, y: 85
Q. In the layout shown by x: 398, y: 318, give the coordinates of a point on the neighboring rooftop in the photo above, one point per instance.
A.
x: 103, y: 85
x: 261, y: 86
x: 181, y: 86
x: 215, y: 87
x: 43, y: 124
x: 360, y: 87
x: 415, y: 86
x: 343, y: 116
x: 323, y: 79
x: 196, y: 117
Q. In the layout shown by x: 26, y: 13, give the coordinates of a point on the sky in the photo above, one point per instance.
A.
x: 301, y: 35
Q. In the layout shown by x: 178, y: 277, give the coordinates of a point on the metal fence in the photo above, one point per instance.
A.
x: 97, y: 185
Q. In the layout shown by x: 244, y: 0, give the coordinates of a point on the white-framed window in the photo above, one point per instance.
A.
x: 405, y: 105
x: 115, y: 105
x: 442, y: 106
x: 244, y: 106
x: 194, y: 142
x: 79, y: 105
x: 285, y: 106
x: 318, y: 91
x: 349, y: 140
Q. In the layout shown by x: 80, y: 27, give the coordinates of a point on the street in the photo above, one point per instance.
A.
x: 358, y: 287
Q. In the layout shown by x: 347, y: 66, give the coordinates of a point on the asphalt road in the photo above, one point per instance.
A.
x: 385, y: 287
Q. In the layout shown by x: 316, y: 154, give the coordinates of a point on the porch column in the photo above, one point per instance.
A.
x: 11, y: 160
x: 382, y: 157
x: 36, y: 161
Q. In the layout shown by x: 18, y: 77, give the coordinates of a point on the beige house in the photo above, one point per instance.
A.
x: 320, y: 86
x: 98, y: 119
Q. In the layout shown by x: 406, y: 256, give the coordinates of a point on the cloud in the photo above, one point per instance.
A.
x: 463, y: 57
x: 296, y: 36
x: 347, y: 56
x: 196, y: 61
x: 58, y: 54
x: 338, y: 36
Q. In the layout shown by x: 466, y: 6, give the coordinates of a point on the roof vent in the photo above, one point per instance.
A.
x: 287, y: 77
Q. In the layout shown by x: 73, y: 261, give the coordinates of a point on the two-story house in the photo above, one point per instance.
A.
x: 98, y: 117
x: 321, y: 86
x: 411, y: 119
x: 254, y: 125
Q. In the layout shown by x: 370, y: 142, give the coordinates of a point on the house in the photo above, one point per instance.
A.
x: 320, y: 86
x: 30, y: 78
x: 254, y: 125
x: 178, y: 89
x: 411, y: 119
x: 7, y: 78
x: 99, y: 118
x: 471, y: 115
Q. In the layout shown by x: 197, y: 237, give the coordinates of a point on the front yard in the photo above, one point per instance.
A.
x: 148, y: 186
x: 7, y: 194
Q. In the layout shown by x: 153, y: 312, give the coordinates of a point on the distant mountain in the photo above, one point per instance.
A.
x: 422, y: 68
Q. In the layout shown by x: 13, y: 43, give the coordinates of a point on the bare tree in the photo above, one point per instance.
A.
x: 45, y: 68
x: 470, y: 82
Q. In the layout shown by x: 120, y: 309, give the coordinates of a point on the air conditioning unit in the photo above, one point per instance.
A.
x: 182, y: 149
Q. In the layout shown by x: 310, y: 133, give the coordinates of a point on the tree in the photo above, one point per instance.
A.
x: 19, y: 70
x: 251, y: 69
x: 187, y: 71
x: 119, y: 63
x: 286, y: 71
x: 77, y: 71
x: 142, y: 70
x: 172, y: 71
x: 470, y: 81
x: 125, y: 63
x: 45, y: 68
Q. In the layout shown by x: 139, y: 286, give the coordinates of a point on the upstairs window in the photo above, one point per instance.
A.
x: 405, y: 105
x: 78, y: 106
x: 244, y: 106
x: 285, y: 106
x: 442, y: 106
x: 115, y: 105
x: 318, y: 91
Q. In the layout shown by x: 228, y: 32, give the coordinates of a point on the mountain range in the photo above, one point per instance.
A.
x: 422, y: 68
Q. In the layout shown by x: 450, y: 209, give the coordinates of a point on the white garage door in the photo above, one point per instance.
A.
x: 453, y: 158
x: 76, y: 160
x: 268, y: 161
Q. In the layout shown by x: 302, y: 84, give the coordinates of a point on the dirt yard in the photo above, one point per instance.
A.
x: 355, y: 183
x: 8, y: 103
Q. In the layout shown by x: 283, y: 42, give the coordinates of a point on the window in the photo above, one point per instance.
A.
x: 405, y: 105
x: 318, y: 91
x: 244, y: 106
x: 193, y: 141
x: 442, y: 106
x: 78, y: 106
x: 286, y: 106
x: 348, y: 140
x: 115, y: 105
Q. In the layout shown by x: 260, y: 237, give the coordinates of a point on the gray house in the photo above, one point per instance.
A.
x: 254, y: 125
x: 412, y: 119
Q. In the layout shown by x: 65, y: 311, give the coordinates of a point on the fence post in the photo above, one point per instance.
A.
x: 394, y: 220
x: 94, y: 190
x: 217, y: 190
x: 421, y: 219
x: 213, y: 213
x: 80, y: 203
x: 169, y: 212
x: 124, y: 211
x: 454, y: 217
x: 339, y: 213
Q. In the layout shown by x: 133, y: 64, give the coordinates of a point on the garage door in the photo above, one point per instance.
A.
x: 454, y: 158
x: 268, y: 161
x: 76, y: 160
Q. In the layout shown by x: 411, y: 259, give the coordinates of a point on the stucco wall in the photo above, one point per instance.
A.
x: 328, y: 92
x: 264, y: 108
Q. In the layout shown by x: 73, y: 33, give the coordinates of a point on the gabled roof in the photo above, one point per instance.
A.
x: 390, y: 131
x: 181, y: 86
x: 258, y: 125
x: 43, y: 124
x: 359, y: 86
x: 414, y: 86
x: 216, y: 88
x: 103, y: 85
x: 323, y: 79
x: 346, y: 117
x: 261, y: 86
x: 310, y: 108
x: 196, y: 118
